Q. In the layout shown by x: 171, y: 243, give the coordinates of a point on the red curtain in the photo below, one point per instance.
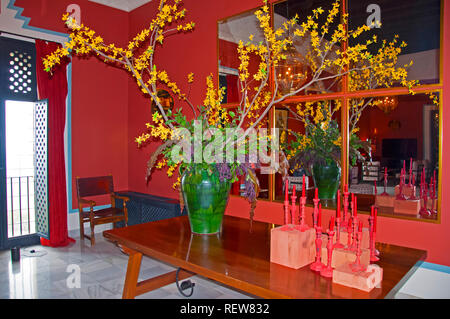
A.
x: 54, y: 88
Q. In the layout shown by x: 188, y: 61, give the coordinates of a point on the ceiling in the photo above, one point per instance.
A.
x: 125, y: 5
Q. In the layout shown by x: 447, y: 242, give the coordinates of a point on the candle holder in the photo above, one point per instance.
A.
x: 286, y: 212
x: 303, y: 226
x: 373, y: 256
x: 413, y: 189
x: 286, y: 202
x: 424, y: 212
x: 357, y: 266
x: 376, y: 252
x: 349, y: 234
x: 433, y: 209
x: 354, y: 233
x: 410, y: 173
x: 346, y: 193
x: 316, y: 210
x: 328, y: 271
x: 318, y: 265
x: 338, y: 243
x: 422, y: 181
x: 294, y: 207
x: 400, y: 195
x: 385, y: 193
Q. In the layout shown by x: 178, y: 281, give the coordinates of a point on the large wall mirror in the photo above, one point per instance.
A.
x: 404, y: 133
x: 394, y: 129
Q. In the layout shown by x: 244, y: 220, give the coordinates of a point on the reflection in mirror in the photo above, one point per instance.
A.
x: 312, y: 142
x: 416, y: 23
x: 231, y: 31
x: 403, y: 176
x: 297, y: 69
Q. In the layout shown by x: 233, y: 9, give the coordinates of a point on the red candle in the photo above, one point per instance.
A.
x: 317, y: 193
x: 372, y: 210
x: 303, y: 186
x: 434, y: 184
x: 410, y: 164
x: 346, y: 188
x: 434, y: 177
x: 356, y: 207
x: 375, y: 221
x: 293, y: 191
x: 286, y: 193
x: 332, y: 223
x: 404, y: 165
x: 360, y: 226
x: 413, y: 179
x: 338, y: 214
x: 319, y: 218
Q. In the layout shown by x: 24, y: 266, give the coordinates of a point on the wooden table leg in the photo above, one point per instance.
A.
x: 133, y: 288
x: 131, y: 279
x: 160, y: 281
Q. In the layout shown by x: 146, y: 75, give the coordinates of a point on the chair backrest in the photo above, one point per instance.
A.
x: 93, y: 186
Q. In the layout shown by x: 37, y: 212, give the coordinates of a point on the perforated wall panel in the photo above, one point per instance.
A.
x: 18, y: 70
x: 41, y: 169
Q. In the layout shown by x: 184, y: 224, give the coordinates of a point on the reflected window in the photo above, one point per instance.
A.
x: 231, y: 31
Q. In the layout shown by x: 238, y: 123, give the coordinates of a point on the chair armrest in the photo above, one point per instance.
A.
x: 124, y: 198
x: 87, y: 202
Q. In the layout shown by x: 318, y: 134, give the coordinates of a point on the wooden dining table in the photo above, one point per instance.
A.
x: 239, y: 257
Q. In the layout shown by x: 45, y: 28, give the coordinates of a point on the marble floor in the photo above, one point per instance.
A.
x: 51, y: 273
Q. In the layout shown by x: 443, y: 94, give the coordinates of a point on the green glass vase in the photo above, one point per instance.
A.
x: 326, y: 179
x: 205, y: 198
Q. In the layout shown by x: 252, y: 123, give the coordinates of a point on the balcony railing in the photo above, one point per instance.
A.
x: 20, y: 206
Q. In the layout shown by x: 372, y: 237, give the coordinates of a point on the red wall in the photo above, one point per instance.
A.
x: 99, y: 92
x: 109, y: 111
x: 198, y: 52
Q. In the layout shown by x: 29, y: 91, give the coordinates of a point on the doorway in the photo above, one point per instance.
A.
x: 18, y: 93
x: 19, y: 146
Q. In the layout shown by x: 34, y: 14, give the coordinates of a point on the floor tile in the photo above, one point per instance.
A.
x: 429, y: 284
x: 400, y: 295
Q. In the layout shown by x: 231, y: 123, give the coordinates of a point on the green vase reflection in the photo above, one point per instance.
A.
x: 326, y: 179
x: 205, y: 198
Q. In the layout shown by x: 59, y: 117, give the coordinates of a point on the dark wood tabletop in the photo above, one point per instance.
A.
x: 240, y: 257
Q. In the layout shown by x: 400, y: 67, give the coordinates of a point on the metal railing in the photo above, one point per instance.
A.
x: 20, y: 203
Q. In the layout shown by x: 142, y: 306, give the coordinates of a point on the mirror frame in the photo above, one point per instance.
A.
x: 345, y: 96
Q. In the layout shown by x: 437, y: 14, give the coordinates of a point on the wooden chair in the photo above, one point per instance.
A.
x: 94, y: 186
